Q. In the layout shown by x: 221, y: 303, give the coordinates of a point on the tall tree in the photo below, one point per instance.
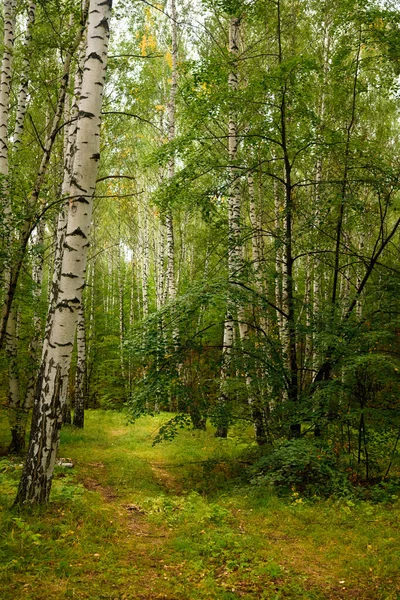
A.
x: 37, y: 475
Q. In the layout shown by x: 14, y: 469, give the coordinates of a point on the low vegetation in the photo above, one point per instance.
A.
x: 188, y: 519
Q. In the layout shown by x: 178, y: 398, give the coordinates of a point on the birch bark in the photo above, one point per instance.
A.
x: 81, y: 370
x: 22, y: 102
x: 37, y: 474
x: 16, y: 416
x: 234, y: 250
x: 171, y: 285
x: 316, y: 274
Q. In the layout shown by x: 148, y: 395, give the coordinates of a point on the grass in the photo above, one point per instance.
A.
x: 176, y: 521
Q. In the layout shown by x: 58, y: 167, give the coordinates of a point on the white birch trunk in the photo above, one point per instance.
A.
x: 34, y: 346
x: 15, y: 411
x: 120, y: 276
x: 316, y: 271
x: 171, y: 286
x: 70, y: 133
x: 278, y: 209
x: 81, y: 370
x: 5, y: 89
x: 37, y: 475
x: 22, y: 102
x: 257, y: 246
x: 9, y: 7
x: 162, y: 288
x: 145, y: 261
x: 235, y: 249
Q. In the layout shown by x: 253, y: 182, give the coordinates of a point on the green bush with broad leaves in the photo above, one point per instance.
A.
x: 303, y: 466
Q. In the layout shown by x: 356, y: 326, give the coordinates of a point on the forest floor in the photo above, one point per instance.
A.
x: 176, y: 521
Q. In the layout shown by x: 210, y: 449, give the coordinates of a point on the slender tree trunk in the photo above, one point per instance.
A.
x: 160, y: 269
x: 289, y: 330
x: 278, y: 258
x: 235, y: 248
x: 145, y: 261
x: 316, y: 271
x: 35, y: 343
x: 22, y: 101
x: 120, y: 283
x: 81, y: 371
x: 169, y: 223
x: 5, y: 89
x: 37, y: 475
x: 15, y: 413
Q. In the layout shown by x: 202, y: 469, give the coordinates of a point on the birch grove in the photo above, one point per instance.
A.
x: 243, y: 267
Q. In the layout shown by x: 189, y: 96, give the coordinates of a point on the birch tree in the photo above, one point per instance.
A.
x: 37, y: 474
x: 234, y: 248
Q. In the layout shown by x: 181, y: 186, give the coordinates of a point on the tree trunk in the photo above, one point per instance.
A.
x: 34, y: 346
x: 37, y: 474
x: 22, y: 102
x: 81, y: 371
x: 234, y: 244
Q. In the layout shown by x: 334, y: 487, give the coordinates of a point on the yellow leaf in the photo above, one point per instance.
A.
x: 168, y: 59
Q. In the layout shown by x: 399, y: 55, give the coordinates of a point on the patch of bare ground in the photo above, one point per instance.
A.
x: 140, y: 542
x: 119, y: 431
x: 106, y: 491
x: 164, y: 478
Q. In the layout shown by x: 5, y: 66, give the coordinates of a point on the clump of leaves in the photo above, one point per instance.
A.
x: 169, y: 430
x: 302, y: 466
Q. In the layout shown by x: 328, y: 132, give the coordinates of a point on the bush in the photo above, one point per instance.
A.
x: 303, y: 466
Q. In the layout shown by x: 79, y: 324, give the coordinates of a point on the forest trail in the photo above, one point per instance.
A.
x: 137, y: 522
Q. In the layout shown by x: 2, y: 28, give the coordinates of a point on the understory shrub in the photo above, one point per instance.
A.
x: 303, y: 466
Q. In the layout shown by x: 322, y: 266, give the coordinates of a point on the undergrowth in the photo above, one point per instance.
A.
x: 181, y: 521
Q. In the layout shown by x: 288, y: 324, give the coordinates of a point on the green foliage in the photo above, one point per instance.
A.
x: 169, y: 430
x: 303, y: 466
x: 190, y: 508
x: 24, y: 534
x: 65, y: 488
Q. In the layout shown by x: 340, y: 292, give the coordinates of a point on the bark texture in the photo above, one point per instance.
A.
x: 81, y: 371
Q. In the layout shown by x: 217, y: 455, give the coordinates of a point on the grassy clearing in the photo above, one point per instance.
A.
x: 135, y: 522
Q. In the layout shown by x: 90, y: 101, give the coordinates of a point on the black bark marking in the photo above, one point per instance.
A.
x: 71, y: 275
x: 68, y: 247
x: 76, y: 184
x: 95, y: 56
x: 95, y: 156
x: 103, y: 23
x: 77, y: 231
x: 88, y: 115
x: 63, y: 305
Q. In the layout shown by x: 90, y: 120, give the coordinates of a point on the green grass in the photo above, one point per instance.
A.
x: 177, y: 521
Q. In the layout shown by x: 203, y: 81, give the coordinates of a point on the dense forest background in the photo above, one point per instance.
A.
x: 244, y: 246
